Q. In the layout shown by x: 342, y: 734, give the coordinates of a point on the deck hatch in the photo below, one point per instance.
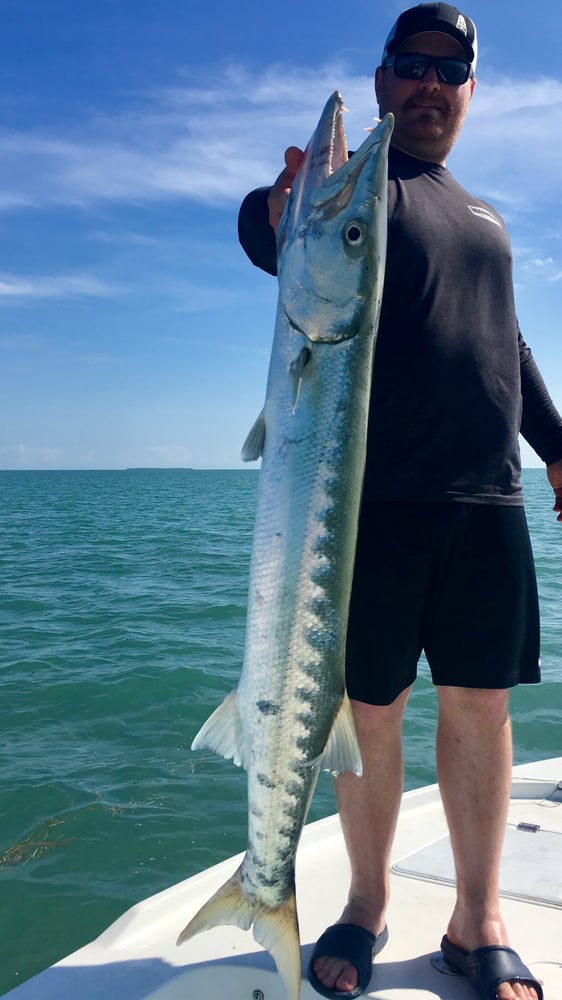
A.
x: 531, y: 864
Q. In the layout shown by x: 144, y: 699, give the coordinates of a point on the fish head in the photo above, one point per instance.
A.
x: 331, y: 236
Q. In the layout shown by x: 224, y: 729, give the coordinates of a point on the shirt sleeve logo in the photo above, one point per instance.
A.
x: 484, y: 213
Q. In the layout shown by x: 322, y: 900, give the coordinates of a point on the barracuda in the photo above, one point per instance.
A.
x: 289, y: 715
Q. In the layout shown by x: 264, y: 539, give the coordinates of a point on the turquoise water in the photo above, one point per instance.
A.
x: 122, y: 610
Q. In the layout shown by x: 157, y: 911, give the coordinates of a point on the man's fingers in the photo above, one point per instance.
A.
x: 282, y: 187
x: 293, y: 159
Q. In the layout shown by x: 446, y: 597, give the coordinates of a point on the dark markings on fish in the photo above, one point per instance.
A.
x: 303, y: 743
x: 305, y: 717
x: 288, y: 442
x: 293, y: 786
x: 311, y: 229
x: 322, y: 576
x: 323, y: 641
x: 263, y: 881
x: 265, y: 781
x: 308, y: 695
x: 287, y: 831
x: 268, y: 707
x: 272, y: 882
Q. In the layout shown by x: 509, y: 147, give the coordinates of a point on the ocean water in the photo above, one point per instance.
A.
x: 122, y: 611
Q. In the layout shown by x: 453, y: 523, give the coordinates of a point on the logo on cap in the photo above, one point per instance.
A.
x: 461, y: 24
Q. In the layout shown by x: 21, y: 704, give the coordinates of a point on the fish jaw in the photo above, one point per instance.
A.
x: 328, y: 265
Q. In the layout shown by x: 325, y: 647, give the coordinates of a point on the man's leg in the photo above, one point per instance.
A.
x: 368, y: 809
x: 474, y: 759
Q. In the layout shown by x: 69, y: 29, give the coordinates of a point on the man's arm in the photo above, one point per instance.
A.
x: 541, y: 424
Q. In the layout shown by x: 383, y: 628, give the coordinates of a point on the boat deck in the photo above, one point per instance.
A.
x: 136, y: 958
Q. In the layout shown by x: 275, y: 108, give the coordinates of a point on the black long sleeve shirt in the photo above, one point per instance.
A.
x: 453, y: 380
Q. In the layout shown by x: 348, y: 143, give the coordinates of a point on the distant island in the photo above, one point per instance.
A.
x: 158, y: 468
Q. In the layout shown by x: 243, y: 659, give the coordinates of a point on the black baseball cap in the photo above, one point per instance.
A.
x: 439, y: 17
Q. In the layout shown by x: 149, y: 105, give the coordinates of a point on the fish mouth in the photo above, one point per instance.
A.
x: 339, y: 152
x: 327, y: 149
x: 324, y: 155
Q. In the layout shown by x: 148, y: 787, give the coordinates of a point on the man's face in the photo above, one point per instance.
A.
x: 428, y: 114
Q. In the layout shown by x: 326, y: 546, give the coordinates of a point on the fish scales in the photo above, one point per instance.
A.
x: 289, y: 715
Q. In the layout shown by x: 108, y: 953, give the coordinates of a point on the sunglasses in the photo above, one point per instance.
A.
x: 414, y: 66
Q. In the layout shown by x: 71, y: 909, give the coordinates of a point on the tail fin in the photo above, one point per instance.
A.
x: 227, y: 906
x: 276, y: 929
x: 278, y: 932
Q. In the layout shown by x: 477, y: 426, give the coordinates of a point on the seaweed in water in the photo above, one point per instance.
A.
x: 35, y: 845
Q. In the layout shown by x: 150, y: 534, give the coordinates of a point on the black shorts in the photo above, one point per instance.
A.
x: 456, y: 580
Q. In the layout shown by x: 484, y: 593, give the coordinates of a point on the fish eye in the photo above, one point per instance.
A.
x: 355, y: 233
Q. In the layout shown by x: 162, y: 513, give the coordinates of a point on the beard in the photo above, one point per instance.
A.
x: 427, y: 126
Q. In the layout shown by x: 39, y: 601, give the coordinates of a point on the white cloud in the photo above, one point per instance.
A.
x: 213, y: 141
x: 9, y: 201
x: 540, y: 269
x: 54, y: 287
x: 510, y: 146
x: 508, y: 94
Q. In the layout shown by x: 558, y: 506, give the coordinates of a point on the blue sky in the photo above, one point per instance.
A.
x: 133, y: 330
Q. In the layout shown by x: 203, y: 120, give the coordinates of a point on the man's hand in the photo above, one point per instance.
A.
x: 554, y: 473
x: 280, y: 190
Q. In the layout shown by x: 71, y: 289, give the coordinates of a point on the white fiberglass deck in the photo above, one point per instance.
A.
x: 136, y: 958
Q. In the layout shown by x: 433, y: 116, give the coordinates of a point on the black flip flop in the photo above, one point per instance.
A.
x: 487, y: 968
x: 355, y: 945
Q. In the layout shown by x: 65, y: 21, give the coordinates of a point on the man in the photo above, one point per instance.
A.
x: 443, y: 556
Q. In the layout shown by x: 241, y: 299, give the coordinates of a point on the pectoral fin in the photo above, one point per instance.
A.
x: 254, y: 443
x: 296, y: 369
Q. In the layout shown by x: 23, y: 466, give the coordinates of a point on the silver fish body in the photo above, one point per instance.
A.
x: 289, y: 715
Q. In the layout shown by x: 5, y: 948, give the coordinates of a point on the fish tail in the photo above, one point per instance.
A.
x: 278, y: 931
x: 275, y: 929
x: 227, y: 906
